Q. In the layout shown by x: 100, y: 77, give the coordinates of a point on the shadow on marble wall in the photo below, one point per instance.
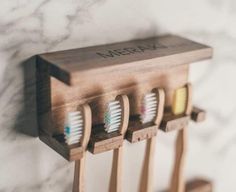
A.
x: 26, y: 121
x: 151, y: 31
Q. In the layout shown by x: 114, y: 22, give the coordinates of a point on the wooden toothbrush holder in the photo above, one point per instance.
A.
x: 96, y: 75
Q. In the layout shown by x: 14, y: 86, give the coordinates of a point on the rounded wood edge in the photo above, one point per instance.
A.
x: 87, y: 119
x: 160, y: 93
x: 124, y: 102
x: 189, y: 101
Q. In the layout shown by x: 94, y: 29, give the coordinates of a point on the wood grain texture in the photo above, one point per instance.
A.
x: 104, y: 88
x: 87, y: 120
x: 174, y: 122
x: 81, y: 65
x: 79, y: 177
x: 177, y: 180
x: 160, y: 94
x: 116, y: 172
x: 70, y: 153
x: 101, y: 141
x: 164, y: 51
x: 124, y: 102
x: 146, y: 181
x: 138, y: 132
x: 43, y: 98
x: 189, y: 106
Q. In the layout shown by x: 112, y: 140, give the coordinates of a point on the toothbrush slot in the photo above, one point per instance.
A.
x: 110, y: 135
x: 144, y: 126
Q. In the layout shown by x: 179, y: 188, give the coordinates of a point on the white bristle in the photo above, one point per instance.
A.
x: 112, y: 117
x: 73, y: 127
x: 149, y: 107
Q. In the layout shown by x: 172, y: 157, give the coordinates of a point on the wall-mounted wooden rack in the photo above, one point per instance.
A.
x: 97, y: 75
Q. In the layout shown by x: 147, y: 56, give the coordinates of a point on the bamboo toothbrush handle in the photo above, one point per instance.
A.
x: 79, y: 185
x: 148, y: 166
x: 116, y: 173
x: 177, y: 181
x: 79, y: 181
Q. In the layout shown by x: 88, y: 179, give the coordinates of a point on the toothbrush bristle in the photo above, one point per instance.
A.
x: 180, y: 101
x: 73, y: 127
x: 148, y: 108
x: 112, y: 117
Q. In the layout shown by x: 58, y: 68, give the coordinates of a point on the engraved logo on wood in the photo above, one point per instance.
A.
x: 130, y: 50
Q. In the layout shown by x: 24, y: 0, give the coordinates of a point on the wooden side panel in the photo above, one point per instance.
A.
x: 43, y: 96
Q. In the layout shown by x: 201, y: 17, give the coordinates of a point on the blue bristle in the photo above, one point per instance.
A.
x: 67, y: 130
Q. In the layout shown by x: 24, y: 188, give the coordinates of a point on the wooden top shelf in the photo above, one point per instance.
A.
x: 159, y: 52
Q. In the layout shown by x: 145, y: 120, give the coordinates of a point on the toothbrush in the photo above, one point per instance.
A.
x: 182, y: 105
x: 78, y: 130
x: 116, y: 119
x: 152, y: 110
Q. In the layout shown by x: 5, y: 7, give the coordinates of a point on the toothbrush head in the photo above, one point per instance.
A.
x: 180, y: 101
x: 73, y: 130
x: 113, y: 116
x: 148, y: 108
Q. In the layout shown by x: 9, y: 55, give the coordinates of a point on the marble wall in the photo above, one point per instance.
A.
x: 29, y: 27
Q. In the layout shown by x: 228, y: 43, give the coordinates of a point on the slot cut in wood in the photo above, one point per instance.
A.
x: 101, y: 141
x: 137, y: 131
x: 57, y: 143
x: 174, y: 122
